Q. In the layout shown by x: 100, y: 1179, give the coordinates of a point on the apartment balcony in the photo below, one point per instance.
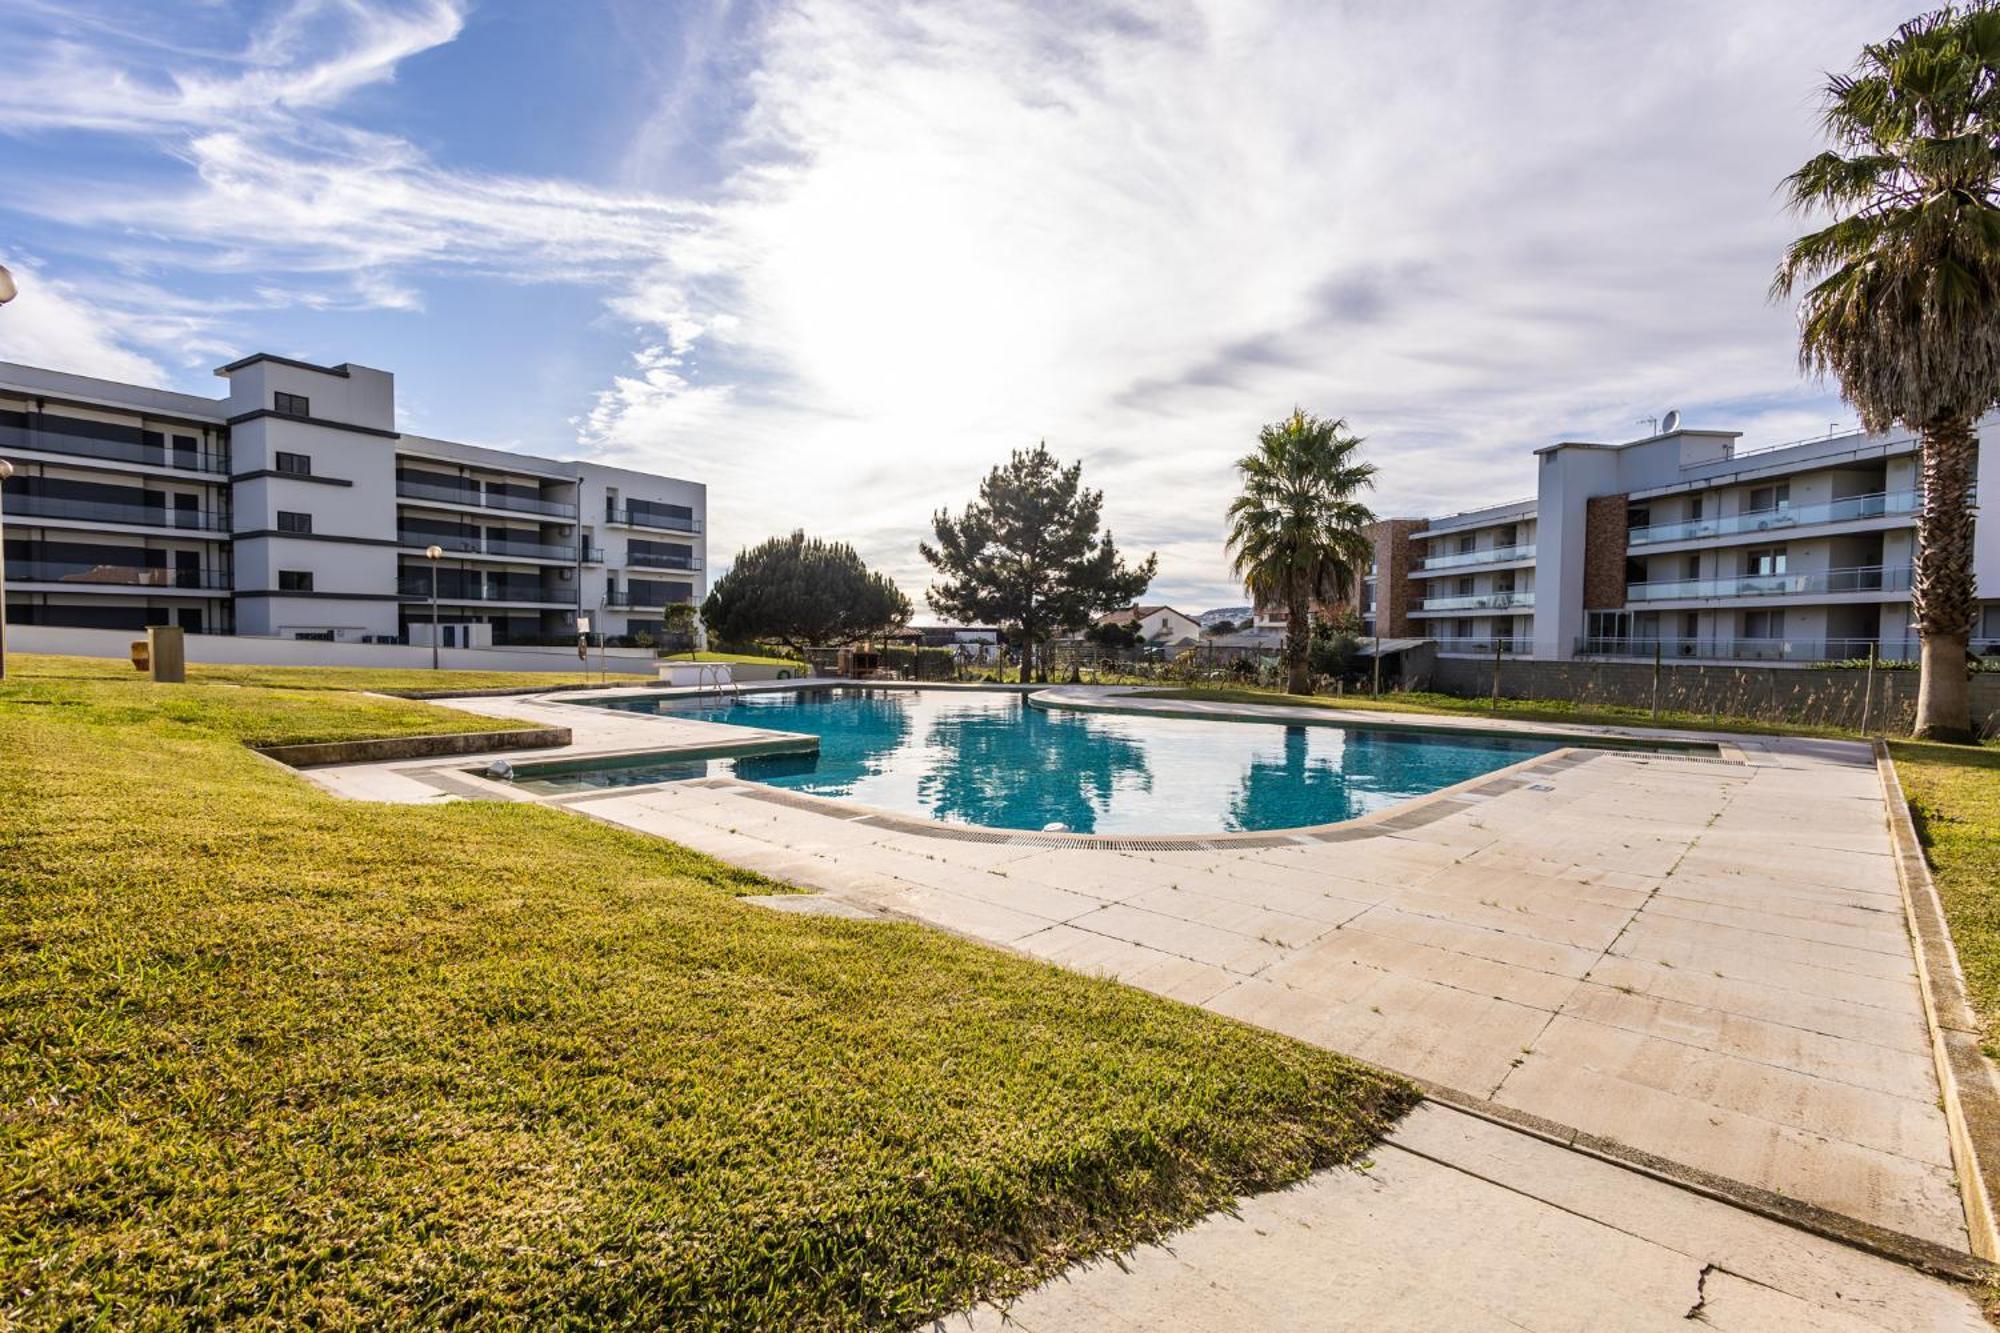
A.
x: 59, y: 511
x: 689, y: 563
x: 626, y: 516
x: 477, y: 544
x: 1498, y: 555
x: 1863, y: 579
x: 1745, y: 650
x: 1852, y: 509
x: 480, y: 499
x: 1487, y: 601
x: 116, y: 578
x: 1470, y: 647
x: 51, y: 440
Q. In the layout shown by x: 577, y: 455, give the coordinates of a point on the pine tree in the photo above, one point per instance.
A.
x: 1027, y: 554
x: 804, y: 593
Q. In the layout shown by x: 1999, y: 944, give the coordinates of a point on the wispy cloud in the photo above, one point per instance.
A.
x: 946, y: 230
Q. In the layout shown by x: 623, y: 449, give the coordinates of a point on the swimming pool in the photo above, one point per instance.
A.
x: 989, y: 759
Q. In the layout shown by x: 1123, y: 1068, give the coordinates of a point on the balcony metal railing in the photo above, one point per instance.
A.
x: 1850, y: 509
x: 474, y: 544
x: 128, y: 576
x: 650, y: 518
x: 1864, y: 578
x: 105, y: 511
x: 1746, y: 650
x: 1491, y: 556
x: 1486, y: 601
x: 457, y: 495
x: 644, y: 561
x: 49, y: 440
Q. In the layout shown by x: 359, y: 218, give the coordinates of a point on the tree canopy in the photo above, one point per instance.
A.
x: 804, y: 593
x: 1028, y: 553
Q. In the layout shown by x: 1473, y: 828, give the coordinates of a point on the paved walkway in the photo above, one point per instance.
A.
x: 1460, y: 1224
x: 1697, y: 960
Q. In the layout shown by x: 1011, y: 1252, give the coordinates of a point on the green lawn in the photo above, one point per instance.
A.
x: 1519, y: 710
x: 1954, y: 792
x: 40, y: 666
x: 270, y: 1057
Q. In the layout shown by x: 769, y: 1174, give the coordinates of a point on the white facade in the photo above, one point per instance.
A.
x: 294, y: 507
x: 1157, y: 624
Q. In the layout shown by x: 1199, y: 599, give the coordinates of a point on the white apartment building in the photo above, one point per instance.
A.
x: 292, y: 506
x: 1685, y: 544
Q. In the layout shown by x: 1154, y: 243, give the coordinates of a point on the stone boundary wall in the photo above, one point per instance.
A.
x: 1806, y: 695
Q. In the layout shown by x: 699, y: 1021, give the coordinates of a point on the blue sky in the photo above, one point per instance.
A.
x: 835, y: 259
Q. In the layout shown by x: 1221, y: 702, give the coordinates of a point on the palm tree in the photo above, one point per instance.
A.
x: 1295, y: 533
x: 1902, y: 293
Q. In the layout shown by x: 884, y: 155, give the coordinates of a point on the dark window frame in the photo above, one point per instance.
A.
x: 291, y: 404
x: 295, y: 580
x: 292, y: 465
x: 293, y: 520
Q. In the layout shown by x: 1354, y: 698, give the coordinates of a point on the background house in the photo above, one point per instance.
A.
x: 1159, y: 626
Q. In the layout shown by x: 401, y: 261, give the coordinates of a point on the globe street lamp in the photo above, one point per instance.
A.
x: 434, y: 552
x: 8, y: 291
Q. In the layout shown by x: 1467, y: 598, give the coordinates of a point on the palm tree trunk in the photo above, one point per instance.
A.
x: 1942, y: 592
x: 1298, y: 638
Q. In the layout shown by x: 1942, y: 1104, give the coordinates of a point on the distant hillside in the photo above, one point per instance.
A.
x: 1238, y: 614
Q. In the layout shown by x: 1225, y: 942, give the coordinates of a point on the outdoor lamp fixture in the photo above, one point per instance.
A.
x: 6, y: 471
x: 434, y: 552
x: 8, y: 291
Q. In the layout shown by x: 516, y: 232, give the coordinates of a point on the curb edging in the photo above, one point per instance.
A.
x: 389, y: 748
x: 1965, y: 1079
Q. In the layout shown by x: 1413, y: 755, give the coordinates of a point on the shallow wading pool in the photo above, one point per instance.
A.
x: 989, y: 759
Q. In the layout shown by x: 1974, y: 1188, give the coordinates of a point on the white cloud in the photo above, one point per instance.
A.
x: 50, y: 323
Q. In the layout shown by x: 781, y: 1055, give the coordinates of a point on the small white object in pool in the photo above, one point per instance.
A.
x: 1057, y: 827
x: 500, y: 770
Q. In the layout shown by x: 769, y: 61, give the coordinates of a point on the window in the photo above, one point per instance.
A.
x: 1467, y: 542
x: 1692, y: 566
x: 1763, y: 624
x: 1763, y: 499
x: 1638, y: 516
x: 298, y: 465
x: 1767, y: 560
x: 1694, y: 508
x: 292, y: 404
x: 295, y: 580
x: 1465, y: 586
x: 292, y: 522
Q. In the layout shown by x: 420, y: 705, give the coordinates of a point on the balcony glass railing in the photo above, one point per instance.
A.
x: 466, y: 495
x: 650, y: 518
x: 1746, y: 650
x: 1486, y: 601
x: 105, y: 511
x: 449, y: 590
x: 48, y: 440
x: 126, y: 576
x: 645, y: 561
x: 474, y: 544
x: 1484, y: 647
x: 647, y: 597
x: 1866, y: 578
x: 1491, y: 556
x: 1879, y: 505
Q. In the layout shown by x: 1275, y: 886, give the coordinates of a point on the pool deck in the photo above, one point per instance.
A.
x: 1675, y: 967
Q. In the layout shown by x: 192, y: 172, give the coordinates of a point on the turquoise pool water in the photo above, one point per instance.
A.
x: 988, y: 759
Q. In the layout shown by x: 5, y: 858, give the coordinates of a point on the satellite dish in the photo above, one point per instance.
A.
x: 1671, y: 422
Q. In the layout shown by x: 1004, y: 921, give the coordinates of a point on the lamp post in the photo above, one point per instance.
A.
x: 6, y: 471
x: 434, y: 552
x: 8, y: 291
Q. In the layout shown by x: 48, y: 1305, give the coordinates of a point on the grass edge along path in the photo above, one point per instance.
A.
x: 272, y: 1058
x: 51, y: 666
x: 1954, y: 797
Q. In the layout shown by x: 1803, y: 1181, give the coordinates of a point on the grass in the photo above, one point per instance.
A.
x: 48, y: 666
x: 272, y: 1058
x: 1518, y: 710
x: 1954, y: 793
